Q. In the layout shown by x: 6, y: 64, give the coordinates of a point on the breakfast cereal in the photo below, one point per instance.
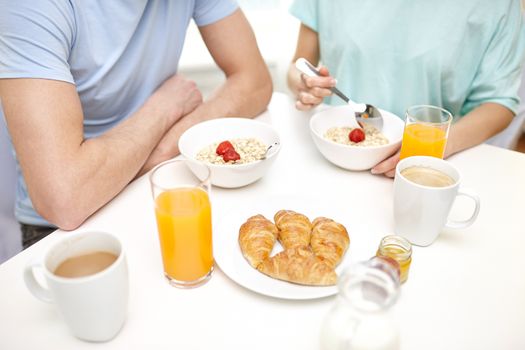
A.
x: 373, y: 137
x: 249, y: 150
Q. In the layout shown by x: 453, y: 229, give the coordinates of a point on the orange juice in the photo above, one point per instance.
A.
x: 184, y: 225
x: 423, y: 140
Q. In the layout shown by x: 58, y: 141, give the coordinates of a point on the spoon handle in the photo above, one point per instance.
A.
x: 307, y: 68
x: 340, y: 94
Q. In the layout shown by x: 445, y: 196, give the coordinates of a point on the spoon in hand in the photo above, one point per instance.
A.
x: 364, y: 113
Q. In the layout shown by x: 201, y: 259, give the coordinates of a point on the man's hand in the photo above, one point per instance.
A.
x: 247, y: 89
x: 177, y: 96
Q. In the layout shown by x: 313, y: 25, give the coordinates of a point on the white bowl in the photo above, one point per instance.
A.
x: 354, y: 157
x: 203, y: 134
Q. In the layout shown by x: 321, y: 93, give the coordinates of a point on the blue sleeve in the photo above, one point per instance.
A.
x: 307, y: 12
x: 499, y: 74
x: 35, y: 39
x: 210, y: 11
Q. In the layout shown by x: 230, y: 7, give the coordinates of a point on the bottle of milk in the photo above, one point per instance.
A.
x: 360, y: 318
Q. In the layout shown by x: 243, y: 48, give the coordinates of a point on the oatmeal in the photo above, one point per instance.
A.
x: 248, y: 149
x: 373, y: 137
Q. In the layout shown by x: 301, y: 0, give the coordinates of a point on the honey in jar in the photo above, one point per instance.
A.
x: 399, y: 249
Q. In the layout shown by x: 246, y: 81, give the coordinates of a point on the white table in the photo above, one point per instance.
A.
x: 466, y: 291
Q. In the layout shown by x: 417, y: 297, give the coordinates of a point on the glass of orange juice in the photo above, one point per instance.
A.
x: 183, y: 213
x: 426, y: 131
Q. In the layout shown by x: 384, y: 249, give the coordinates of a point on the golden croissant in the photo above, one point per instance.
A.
x: 257, y: 237
x: 294, y: 229
x: 299, y: 265
x: 329, y: 240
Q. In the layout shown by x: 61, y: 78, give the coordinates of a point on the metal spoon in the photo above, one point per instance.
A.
x: 364, y: 113
x: 275, y: 144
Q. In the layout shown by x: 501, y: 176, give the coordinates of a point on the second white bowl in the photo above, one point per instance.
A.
x: 354, y: 157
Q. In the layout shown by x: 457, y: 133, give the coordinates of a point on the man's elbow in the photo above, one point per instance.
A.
x: 267, y: 90
x: 60, y: 211
x: 263, y: 90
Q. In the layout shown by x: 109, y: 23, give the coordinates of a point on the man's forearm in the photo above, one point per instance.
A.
x: 68, y: 177
x: 477, y: 126
x: 100, y: 168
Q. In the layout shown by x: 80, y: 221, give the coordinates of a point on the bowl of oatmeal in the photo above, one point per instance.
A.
x: 351, y: 149
x: 233, y: 148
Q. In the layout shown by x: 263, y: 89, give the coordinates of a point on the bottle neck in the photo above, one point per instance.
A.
x: 369, y: 289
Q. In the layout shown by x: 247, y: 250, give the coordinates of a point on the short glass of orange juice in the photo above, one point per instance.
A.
x: 426, y: 131
x: 183, y: 213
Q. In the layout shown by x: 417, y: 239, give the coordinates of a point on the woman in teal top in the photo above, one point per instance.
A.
x: 464, y: 56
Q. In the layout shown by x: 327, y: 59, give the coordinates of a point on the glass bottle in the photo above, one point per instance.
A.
x: 360, y: 318
x: 399, y: 249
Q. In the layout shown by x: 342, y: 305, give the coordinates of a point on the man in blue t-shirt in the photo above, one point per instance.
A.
x: 92, y: 98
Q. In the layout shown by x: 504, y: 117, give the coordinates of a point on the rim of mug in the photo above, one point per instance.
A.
x: 401, y: 163
x: 74, y: 280
x: 206, y: 182
x: 443, y: 110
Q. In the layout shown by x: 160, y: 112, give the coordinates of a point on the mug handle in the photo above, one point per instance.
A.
x: 33, y: 285
x: 455, y: 224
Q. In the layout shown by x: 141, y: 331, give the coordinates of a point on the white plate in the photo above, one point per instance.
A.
x: 229, y: 258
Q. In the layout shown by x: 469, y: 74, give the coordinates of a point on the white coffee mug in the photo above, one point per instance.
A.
x: 421, y: 212
x: 94, y: 306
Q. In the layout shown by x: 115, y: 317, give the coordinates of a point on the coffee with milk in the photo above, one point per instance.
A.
x: 85, y: 265
x: 426, y: 176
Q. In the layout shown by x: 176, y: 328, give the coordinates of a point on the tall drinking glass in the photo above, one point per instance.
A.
x: 183, y: 213
x: 426, y: 131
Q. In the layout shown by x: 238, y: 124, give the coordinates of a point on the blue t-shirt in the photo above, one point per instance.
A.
x: 456, y: 54
x: 116, y: 52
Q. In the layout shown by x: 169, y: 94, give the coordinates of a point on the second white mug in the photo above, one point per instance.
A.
x: 421, y: 208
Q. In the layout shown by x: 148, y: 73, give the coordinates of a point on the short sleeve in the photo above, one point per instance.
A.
x: 210, y: 11
x: 307, y: 12
x: 499, y: 74
x: 35, y: 39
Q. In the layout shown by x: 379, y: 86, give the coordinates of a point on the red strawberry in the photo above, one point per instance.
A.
x: 356, y: 135
x: 223, y: 147
x: 231, y: 154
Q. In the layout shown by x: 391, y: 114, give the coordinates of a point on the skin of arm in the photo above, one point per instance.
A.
x: 246, y: 91
x: 474, y: 128
x: 309, y: 91
x: 69, y: 177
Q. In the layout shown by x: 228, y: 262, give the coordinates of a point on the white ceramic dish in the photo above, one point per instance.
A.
x: 217, y: 130
x: 353, y: 157
x: 230, y: 260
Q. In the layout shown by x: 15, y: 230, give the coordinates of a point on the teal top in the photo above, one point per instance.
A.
x: 398, y: 53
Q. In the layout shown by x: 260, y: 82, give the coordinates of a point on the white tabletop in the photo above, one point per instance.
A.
x: 466, y: 291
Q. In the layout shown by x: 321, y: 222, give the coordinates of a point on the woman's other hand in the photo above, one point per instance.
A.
x: 387, y: 167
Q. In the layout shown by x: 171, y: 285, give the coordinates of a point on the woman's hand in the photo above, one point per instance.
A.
x: 387, y: 167
x: 312, y: 90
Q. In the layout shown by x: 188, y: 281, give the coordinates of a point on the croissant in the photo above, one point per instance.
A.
x: 299, y: 265
x: 294, y: 229
x: 329, y: 240
x: 257, y: 237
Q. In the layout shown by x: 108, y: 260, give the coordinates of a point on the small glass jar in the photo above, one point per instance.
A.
x: 399, y: 249
x: 360, y: 318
